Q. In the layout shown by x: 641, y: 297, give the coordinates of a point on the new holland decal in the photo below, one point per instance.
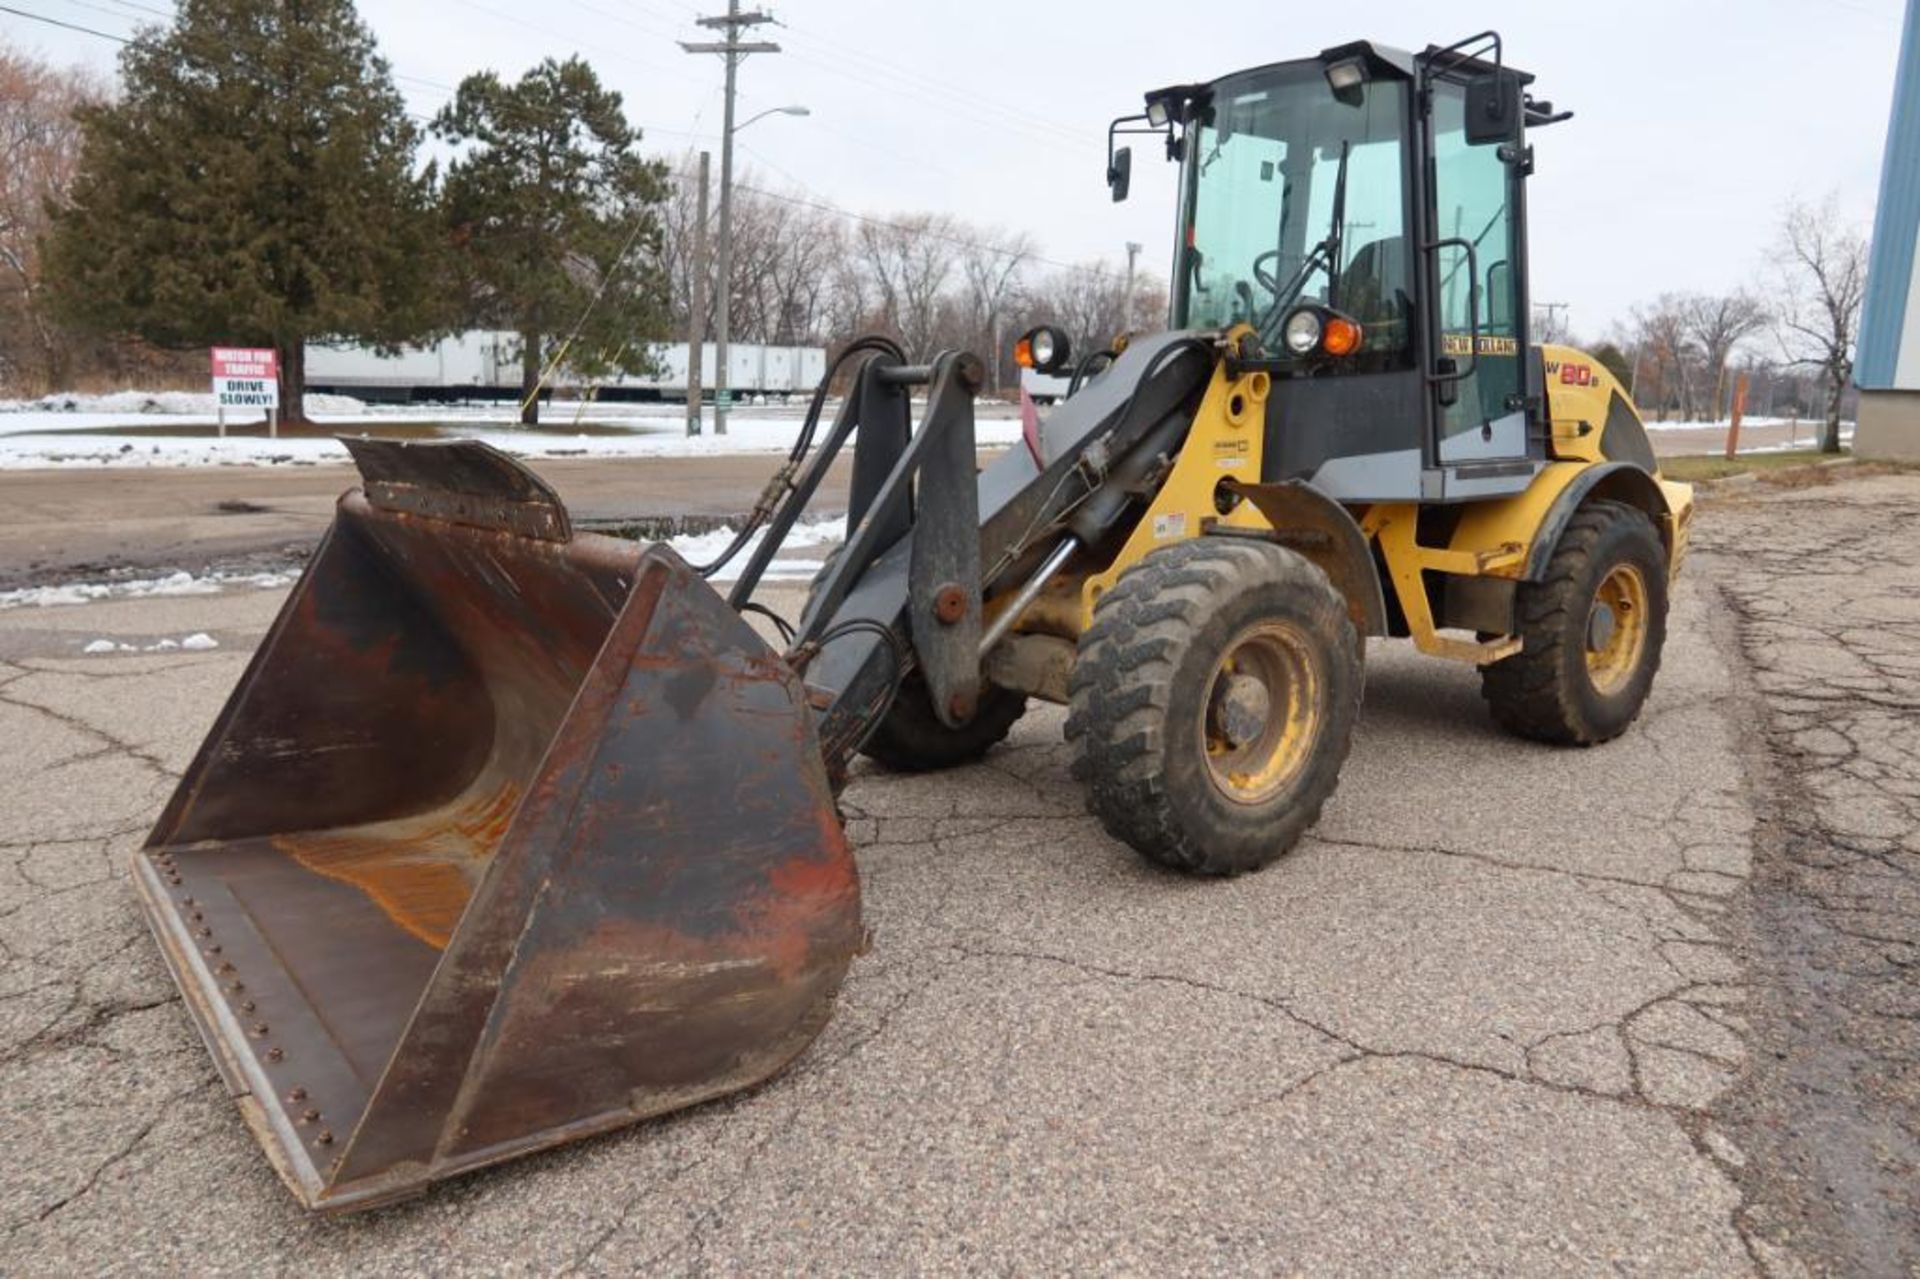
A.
x: 1463, y: 344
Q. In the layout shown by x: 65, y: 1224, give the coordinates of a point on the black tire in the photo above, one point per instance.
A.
x: 911, y: 739
x: 1152, y: 740
x: 1551, y: 690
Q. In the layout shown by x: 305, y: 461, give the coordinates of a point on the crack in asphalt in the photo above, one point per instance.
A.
x: 1357, y: 1050
x: 119, y: 1156
x: 1830, y: 1114
x: 1634, y: 1034
x: 109, y: 744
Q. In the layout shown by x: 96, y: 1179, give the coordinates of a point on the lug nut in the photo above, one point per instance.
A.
x: 274, y: 1054
x: 297, y: 1093
x: 324, y: 1136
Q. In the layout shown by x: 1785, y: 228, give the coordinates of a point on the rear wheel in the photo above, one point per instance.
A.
x: 1213, y: 702
x: 910, y: 738
x: 1592, y: 631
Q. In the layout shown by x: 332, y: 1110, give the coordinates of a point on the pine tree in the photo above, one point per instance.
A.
x: 254, y: 184
x: 557, y: 222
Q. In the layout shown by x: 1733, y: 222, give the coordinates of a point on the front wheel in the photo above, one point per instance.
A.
x: 1591, y: 631
x: 1213, y: 703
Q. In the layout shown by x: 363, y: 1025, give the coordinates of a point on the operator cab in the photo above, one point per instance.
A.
x: 1364, y: 213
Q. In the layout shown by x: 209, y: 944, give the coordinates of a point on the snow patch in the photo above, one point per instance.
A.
x: 169, y: 403
x: 198, y: 642
x: 700, y: 548
x: 34, y: 436
x: 181, y: 583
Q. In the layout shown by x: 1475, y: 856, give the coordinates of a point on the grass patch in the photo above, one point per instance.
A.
x: 1692, y: 469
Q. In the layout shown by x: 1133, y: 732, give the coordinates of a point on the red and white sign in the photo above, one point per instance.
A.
x: 246, y: 377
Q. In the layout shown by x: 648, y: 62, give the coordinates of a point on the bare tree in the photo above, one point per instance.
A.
x: 1823, y: 279
x: 1665, y: 347
x: 992, y: 265
x: 799, y: 277
x: 39, y: 153
x: 1717, y: 324
x: 1089, y: 301
x: 909, y: 260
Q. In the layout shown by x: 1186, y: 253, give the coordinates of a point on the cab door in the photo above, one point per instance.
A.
x: 1478, y: 298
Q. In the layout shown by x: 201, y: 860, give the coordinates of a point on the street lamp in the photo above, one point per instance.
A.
x: 771, y: 111
x: 722, y: 390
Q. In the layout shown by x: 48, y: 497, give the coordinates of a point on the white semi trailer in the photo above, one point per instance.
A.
x: 486, y: 365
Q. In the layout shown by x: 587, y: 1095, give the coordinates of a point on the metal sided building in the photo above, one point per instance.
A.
x: 1887, y: 368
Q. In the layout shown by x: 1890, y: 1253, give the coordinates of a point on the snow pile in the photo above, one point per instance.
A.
x: 198, y: 642
x: 181, y: 583
x: 700, y: 548
x: 1654, y: 424
x: 52, y: 449
x: 87, y: 433
x: 169, y: 403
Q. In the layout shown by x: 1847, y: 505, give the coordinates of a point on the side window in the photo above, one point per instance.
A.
x: 1242, y: 179
x: 1472, y: 204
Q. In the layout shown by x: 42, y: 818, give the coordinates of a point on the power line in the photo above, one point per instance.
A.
x: 924, y: 232
x: 69, y: 26
x: 957, y: 99
x: 99, y: 8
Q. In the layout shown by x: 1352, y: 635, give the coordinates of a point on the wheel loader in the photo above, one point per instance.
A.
x: 511, y: 834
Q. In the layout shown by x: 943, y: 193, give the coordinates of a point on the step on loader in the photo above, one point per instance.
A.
x: 512, y: 834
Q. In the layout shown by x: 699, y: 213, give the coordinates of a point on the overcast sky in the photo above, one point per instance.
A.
x: 1694, y: 121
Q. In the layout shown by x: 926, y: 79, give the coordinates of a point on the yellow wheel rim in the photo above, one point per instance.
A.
x: 1261, y: 716
x: 1616, y: 629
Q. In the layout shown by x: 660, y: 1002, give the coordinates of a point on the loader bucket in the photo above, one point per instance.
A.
x: 507, y: 836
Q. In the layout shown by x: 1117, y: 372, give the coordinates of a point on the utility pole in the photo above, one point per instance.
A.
x: 1553, y: 333
x: 731, y: 50
x: 697, y: 311
x: 1133, y: 252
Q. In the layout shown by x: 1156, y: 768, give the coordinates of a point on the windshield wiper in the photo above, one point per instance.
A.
x: 1338, y: 231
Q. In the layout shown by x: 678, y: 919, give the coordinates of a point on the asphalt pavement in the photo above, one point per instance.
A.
x: 1496, y: 1014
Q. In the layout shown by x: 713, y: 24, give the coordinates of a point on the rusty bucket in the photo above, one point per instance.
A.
x: 506, y: 837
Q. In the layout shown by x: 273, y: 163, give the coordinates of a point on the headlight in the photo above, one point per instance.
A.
x: 1044, y: 349
x: 1302, y: 331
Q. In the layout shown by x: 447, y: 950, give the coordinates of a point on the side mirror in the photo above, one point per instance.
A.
x: 1120, y: 173
x: 1493, y: 108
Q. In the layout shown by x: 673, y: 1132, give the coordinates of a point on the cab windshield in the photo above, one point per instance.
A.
x: 1295, y: 194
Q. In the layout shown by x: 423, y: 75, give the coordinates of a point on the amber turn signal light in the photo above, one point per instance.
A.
x: 1341, y: 336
